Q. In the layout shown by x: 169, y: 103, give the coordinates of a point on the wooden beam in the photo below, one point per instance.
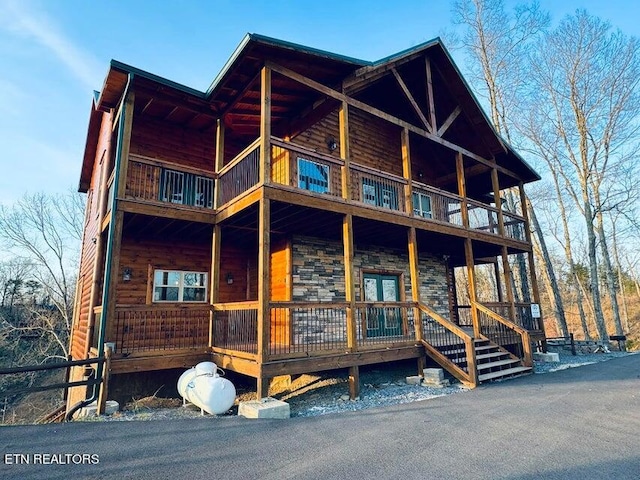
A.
x: 313, y: 115
x: 264, y: 258
x: 219, y: 160
x: 265, y: 125
x: 471, y: 278
x: 506, y: 268
x: 345, y: 154
x: 365, y: 76
x: 126, y: 141
x: 462, y: 190
x: 406, y: 170
x: 247, y: 86
x: 430, y: 98
x: 415, y: 279
x: 495, y: 184
x: 349, y: 281
x: 447, y: 123
x: 383, y: 115
x: 214, y: 279
x: 116, y: 243
x: 412, y: 101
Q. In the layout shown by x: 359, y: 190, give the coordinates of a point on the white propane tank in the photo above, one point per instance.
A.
x: 205, y: 388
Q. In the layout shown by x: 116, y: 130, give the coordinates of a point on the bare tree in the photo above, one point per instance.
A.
x: 41, y: 232
x: 588, y: 76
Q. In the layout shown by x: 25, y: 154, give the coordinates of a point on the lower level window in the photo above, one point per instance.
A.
x: 421, y: 205
x: 179, y: 286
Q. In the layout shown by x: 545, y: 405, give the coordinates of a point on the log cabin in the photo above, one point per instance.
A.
x: 309, y: 211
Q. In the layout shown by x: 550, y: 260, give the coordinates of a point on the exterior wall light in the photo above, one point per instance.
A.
x: 332, y: 144
x: 126, y: 274
x: 229, y: 278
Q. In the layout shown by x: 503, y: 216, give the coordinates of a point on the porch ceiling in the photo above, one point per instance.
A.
x: 139, y: 226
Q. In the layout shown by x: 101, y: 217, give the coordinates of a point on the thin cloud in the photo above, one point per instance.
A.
x: 44, y: 31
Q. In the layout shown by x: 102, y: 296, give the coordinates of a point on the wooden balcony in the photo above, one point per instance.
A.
x: 159, y: 328
x: 319, y: 174
x: 162, y: 183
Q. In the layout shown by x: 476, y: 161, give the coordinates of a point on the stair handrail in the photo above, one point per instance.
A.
x: 523, y: 332
x: 469, y: 378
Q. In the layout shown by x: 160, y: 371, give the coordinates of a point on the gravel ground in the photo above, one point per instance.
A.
x: 312, y: 395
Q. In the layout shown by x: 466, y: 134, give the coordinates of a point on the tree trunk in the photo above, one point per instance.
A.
x: 594, y: 286
x: 561, y: 319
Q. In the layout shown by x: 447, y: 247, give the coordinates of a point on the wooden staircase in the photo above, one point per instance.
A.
x: 492, y: 361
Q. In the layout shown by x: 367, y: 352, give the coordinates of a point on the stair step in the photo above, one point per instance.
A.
x: 499, y: 363
x: 462, y: 350
x: 503, y: 373
x: 491, y: 355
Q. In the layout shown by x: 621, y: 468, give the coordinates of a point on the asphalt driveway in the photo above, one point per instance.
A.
x: 581, y: 423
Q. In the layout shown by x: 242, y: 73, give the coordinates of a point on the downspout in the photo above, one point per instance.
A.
x: 108, y: 255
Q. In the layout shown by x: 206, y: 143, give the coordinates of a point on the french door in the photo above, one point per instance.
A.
x: 382, y: 321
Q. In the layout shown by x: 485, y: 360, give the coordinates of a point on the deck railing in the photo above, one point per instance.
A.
x: 235, y: 326
x: 304, y: 168
x: 382, y: 323
x: 514, y: 226
x: 147, y: 328
x: 483, y: 217
x: 435, y: 204
x: 240, y: 174
x: 298, y: 327
x: 523, y: 318
x: 446, y: 342
x: 505, y: 333
x: 155, y: 181
x: 382, y: 190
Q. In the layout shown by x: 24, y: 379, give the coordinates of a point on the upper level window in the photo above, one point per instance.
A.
x: 186, y: 189
x: 313, y: 176
x: 422, y: 205
x: 379, y: 194
x: 179, y: 286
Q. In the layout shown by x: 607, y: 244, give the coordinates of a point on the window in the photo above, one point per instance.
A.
x: 177, y: 286
x: 313, y: 176
x: 186, y: 189
x: 379, y: 194
x: 422, y: 205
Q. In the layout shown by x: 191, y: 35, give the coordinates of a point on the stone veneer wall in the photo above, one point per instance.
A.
x: 318, y: 272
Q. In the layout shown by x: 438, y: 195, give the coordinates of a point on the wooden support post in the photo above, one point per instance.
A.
x: 415, y: 289
x: 462, y: 189
x: 104, y: 386
x: 497, y: 200
x: 354, y: 382
x: 496, y: 273
x: 349, y: 282
x: 471, y: 274
x: 345, y: 153
x: 406, y: 171
x: 124, y: 152
x: 265, y: 126
x: 219, y: 160
x: 415, y: 279
x: 507, y: 279
x: 264, y: 317
x: 214, y: 280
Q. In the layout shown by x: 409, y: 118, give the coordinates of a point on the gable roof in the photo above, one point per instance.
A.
x: 240, y: 75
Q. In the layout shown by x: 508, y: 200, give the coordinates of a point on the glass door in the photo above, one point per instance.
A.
x: 382, y: 320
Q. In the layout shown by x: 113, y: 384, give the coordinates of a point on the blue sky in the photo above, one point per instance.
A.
x: 54, y: 53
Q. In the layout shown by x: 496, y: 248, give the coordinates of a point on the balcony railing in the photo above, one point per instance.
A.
x: 235, y: 326
x: 159, y: 182
x: 240, y: 174
x: 382, y: 323
x: 523, y: 318
x: 149, y: 328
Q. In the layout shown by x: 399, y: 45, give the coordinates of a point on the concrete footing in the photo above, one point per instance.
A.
x: 548, y: 357
x: 434, y: 377
x: 91, y: 410
x: 264, y: 408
